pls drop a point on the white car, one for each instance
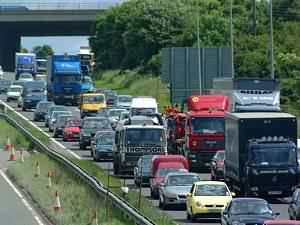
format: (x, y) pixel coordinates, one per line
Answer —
(26, 77)
(1, 73)
(124, 101)
(14, 92)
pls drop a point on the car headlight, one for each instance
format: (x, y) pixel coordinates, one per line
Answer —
(198, 204)
(237, 223)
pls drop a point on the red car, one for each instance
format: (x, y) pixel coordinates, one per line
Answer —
(282, 222)
(72, 130)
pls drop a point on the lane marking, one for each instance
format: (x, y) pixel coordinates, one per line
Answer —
(24, 201)
(37, 127)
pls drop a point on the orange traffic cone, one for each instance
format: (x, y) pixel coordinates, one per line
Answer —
(49, 185)
(12, 156)
(37, 169)
(8, 145)
(57, 207)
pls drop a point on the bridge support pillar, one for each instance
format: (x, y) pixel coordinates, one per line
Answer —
(10, 43)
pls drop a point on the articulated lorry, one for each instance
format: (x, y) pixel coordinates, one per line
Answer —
(64, 79)
(25, 63)
(261, 153)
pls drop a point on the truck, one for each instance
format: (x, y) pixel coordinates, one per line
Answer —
(25, 63)
(64, 79)
(41, 66)
(91, 103)
(261, 153)
(199, 131)
(143, 105)
(134, 141)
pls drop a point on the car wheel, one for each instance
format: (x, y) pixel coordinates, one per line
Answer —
(92, 153)
(7, 100)
(192, 217)
(55, 134)
(160, 204)
(82, 146)
(151, 193)
(23, 109)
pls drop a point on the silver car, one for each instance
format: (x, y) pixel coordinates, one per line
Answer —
(175, 187)
(54, 116)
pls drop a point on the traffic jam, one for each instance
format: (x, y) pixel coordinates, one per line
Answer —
(248, 145)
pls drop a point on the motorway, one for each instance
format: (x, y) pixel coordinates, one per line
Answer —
(179, 214)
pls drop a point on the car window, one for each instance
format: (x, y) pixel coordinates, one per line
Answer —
(211, 190)
(182, 180)
(250, 207)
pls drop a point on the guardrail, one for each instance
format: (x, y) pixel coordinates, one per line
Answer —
(119, 203)
(62, 5)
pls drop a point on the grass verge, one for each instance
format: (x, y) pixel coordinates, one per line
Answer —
(78, 200)
(133, 83)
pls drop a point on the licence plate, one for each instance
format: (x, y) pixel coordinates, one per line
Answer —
(207, 164)
(274, 192)
(67, 96)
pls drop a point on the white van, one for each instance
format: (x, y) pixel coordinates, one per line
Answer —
(143, 105)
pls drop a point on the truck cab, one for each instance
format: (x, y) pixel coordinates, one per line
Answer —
(25, 63)
(134, 141)
(143, 105)
(204, 129)
(91, 103)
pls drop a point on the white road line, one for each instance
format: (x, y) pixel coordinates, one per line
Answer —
(34, 214)
(33, 124)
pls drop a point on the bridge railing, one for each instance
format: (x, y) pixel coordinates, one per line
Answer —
(7, 6)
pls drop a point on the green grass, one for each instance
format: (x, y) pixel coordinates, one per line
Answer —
(132, 83)
(78, 200)
(15, 136)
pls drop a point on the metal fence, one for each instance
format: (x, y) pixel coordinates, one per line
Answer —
(11, 6)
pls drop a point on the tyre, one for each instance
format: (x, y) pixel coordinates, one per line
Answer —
(163, 204)
(192, 217)
(82, 146)
(55, 135)
(7, 99)
(23, 109)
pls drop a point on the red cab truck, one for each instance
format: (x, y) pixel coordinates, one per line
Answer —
(162, 165)
(204, 129)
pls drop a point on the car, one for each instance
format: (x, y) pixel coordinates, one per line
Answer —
(14, 92)
(247, 211)
(54, 116)
(217, 166)
(89, 127)
(141, 171)
(1, 73)
(124, 101)
(72, 130)
(52, 109)
(41, 110)
(4, 85)
(25, 77)
(102, 150)
(294, 205)
(114, 115)
(207, 199)
(33, 93)
(111, 97)
(123, 119)
(175, 187)
(60, 124)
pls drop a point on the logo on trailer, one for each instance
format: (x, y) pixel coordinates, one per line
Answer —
(195, 99)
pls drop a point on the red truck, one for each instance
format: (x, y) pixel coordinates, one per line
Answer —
(199, 134)
(162, 165)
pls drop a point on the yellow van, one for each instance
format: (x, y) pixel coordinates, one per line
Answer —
(91, 103)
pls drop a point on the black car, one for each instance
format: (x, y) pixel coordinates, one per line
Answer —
(142, 170)
(51, 109)
(247, 211)
(41, 110)
(294, 207)
(60, 124)
(217, 166)
(89, 127)
(30, 98)
(4, 85)
(102, 150)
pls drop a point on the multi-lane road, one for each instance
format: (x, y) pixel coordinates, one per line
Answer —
(179, 214)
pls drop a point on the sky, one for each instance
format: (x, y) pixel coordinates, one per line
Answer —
(59, 44)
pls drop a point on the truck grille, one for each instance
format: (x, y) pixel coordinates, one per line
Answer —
(212, 144)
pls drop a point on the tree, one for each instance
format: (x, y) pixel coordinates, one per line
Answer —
(24, 50)
(43, 51)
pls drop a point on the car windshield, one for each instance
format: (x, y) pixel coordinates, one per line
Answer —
(61, 120)
(211, 190)
(15, 89)
(87, 79)
(43, 106)
(68, 78)
(162, 172)
(124, 99)
(145, 136)
(182, 180)
(142, 111)
(55, 114)
(106, 139)
(115, 113)
(73, 123)
(96, 124)
(220, 155)
(90, 99)
(280, 156)
(250, 207)
(57, 108)
(5, 82)
(26, 76)
(208, 125)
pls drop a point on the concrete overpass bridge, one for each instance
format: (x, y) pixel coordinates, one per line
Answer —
(44, 19)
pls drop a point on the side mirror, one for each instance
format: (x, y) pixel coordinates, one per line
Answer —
(233, 194)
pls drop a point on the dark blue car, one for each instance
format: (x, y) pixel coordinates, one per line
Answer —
(102, 149)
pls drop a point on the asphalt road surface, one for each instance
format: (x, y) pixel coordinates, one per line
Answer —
(179, 214)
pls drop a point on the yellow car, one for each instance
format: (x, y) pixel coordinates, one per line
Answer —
(91, 103)
(207, 199)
